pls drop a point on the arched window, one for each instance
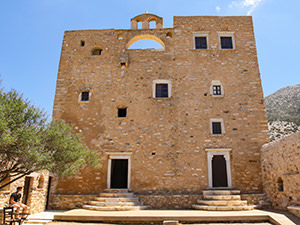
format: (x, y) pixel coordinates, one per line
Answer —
(280, 184)
(139, 25)
(96, 50)
(41, 181)
(5, 181)
(145, 42)
(152, 24)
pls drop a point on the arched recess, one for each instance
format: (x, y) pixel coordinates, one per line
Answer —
(145, 37)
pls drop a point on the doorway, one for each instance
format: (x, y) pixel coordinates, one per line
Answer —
(26, 190)
(119, 173)
(218, 166)
(48, 192)
(219, 173)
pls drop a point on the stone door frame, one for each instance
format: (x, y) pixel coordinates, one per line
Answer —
(118, 155)
(211, 152)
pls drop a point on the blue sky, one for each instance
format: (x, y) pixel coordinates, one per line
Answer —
(32, 33)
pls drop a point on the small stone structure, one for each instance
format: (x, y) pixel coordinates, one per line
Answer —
(169, 122)
(280, 170)
(35, 189)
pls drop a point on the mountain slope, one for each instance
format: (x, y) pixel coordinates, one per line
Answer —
(284, 105)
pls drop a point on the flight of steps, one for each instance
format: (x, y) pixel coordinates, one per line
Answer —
(222, 200)
(115, 200)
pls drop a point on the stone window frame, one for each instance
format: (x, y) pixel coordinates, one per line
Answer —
(201, 34)
(226, 34)
(118, 155)
(80, 95)
(211, 91)
(161, 82)
(211, 127)
(211, 152)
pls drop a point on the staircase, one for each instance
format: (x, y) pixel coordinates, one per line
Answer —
(115, 200)
(222, 200)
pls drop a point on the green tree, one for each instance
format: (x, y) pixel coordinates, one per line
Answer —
(29, 144)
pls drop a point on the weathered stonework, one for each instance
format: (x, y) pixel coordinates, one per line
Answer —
(37, 192)
(168, 142)
(280, 170)
(64, 202)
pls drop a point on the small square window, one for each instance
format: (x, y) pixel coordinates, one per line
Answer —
(216, 128)
(200, 43)
(82, 43)
(217, 90)
(226, 43)
(122, 112)
(162, 91)
(85, 96)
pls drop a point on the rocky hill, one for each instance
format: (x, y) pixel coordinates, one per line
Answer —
(283, 111)
(284, 104)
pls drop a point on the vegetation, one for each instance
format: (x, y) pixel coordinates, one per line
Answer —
(29, 144)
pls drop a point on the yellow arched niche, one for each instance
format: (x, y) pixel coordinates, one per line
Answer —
(145, 37)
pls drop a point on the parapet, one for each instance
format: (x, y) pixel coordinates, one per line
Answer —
(146, 18)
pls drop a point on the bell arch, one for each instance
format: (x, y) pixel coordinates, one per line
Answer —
(145, 37)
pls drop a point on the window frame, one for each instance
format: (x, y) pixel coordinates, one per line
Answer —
(201, 34)
(80, 96)
(155, 82)
(216, 120)
(226, 34)
(211, 89)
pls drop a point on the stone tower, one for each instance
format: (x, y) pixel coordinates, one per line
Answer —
(169, 121)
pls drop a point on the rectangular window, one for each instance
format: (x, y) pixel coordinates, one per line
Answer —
(216, 90)
(161, 91)
(200, 43)
(122, 112)
(226, 43)
(85, 96)
(216, 128)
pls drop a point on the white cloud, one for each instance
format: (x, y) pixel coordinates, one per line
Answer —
(251, 5)
(218, 8)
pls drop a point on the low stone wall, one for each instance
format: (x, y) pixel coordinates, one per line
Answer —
(63, 202)
(170, 201)
(280, 170)
(294, 210)
(37, 194)
(256, 199)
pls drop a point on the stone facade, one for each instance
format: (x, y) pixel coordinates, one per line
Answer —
(167, 142)
(280, 170)
(37, 192)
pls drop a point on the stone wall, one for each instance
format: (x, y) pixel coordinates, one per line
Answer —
(170, 201)
(64, 202)
(37, 195)
(280, 169)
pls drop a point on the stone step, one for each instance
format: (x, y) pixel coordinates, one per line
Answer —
(110, 204)
(103, 199)
(223, 208)
(116, 191)
(36, 222)
(222, 203)
(116, 208)
(116, 195)
(221, 192)
(222, 197)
